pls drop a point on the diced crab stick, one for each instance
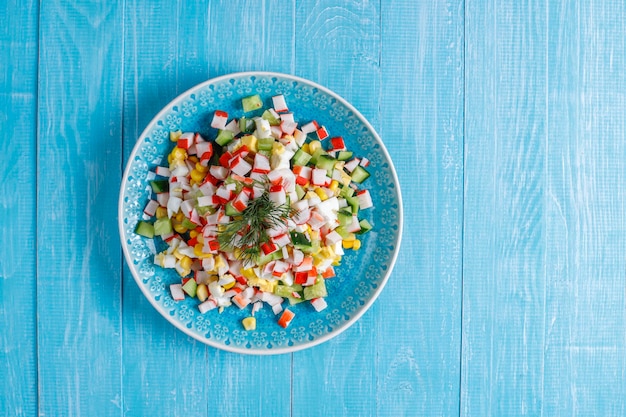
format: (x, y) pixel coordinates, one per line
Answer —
(337, 144)
(288, 127)
(261, 164)
(365, 199)
(186, 140)
(151, 207)
(162, 171)
(280, 105)
(219, 119)
(310, 127)
(240, 166)
(205, 151)
(351, 164)
(365, 162)
(277, 195)
(233, 126)
(208, 305)
(322, 133)
(318, 176)
(177, 292)
(286, 318)
(287, 117)
(319, 304)
(219, 172)
(241, 201)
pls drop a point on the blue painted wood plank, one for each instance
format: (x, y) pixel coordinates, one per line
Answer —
(165, 47)
(418, 321)
(18, 202)
(338, 46)
(78, 274)
(504, 234)
(585, 329)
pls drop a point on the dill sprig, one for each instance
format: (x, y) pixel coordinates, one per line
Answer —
(248, 231)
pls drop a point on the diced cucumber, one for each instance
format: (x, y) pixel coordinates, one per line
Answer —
(162, 226)
(246, 125)
(224, 137)
(267, 115)
(301, 158)
(293, 300)
(145, 229)
(365, 226)
(204, 210)
(265, 144)
(359, 174)
(326, 162)
(188, 224)
(344, 217)
(190, 287)
(316, 154)
(229, 210)
(317, 290)
(344, 155)
(346, 192)
(300, 192)
(251, 103)
(353, 202)
(160, 186)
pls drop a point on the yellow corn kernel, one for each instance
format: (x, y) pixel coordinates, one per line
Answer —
(321, 194)
(278, 148)
(334, 186)
(229, 285)
(314, 145)
(177, 254)
(251, 143)
(356, 245)
(197, 176)
(161, 212)
(174, 136)
(185, 262)
(193, 233)
(201, 168)
(179, 228)
(202, 292)
(305, 148)
(249, 323)
(170, 158)
(248, 273)
(180, 216)
(193, 159)
(197, 249)
(179, 153)
(347, 244)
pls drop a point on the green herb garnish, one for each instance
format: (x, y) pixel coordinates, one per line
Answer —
(248, 231)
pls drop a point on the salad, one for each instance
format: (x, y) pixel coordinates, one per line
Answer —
(260, 215)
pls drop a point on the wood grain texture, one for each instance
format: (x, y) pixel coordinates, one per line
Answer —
(585, 210)
(504, 231)
(18, 204)
(79, 156)
(166, 369)
(338, 46)
(418, 320)
(543, 308)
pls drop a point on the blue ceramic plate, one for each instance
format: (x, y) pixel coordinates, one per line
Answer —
(361, 275)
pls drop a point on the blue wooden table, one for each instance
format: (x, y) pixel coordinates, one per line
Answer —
(506, 123)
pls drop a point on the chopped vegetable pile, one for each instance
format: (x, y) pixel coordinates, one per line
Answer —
(259, 215)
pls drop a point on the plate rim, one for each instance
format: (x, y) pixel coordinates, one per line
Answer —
(255, 351)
